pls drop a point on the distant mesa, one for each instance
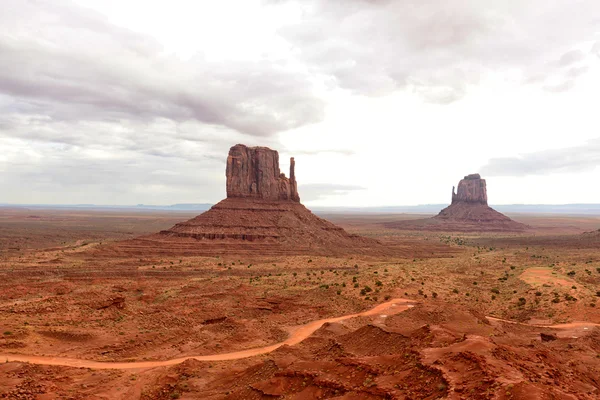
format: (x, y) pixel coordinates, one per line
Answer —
(262, 214)
(468, 212)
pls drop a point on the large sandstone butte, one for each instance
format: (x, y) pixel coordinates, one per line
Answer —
(262, 214)
(254, 172)
(468, 212)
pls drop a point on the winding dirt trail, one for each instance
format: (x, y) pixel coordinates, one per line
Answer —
(297, 335)
(571, 329)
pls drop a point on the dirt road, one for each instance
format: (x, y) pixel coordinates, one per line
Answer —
(297, 335)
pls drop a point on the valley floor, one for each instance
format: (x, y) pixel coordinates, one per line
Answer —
(481, 305)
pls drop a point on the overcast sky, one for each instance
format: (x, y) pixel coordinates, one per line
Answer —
(381, 102)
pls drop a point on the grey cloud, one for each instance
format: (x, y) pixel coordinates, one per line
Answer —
(576, 72)
(567, 160)
(596, 49)
(100, 175)
(570, 58)
(112, 73)
(344, 152)
(374, 48)
(315, 191)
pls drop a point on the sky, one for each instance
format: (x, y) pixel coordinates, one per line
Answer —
(381, 102)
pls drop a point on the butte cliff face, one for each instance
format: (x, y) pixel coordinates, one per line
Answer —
(262, 214)
(253, 172)
(471, 189)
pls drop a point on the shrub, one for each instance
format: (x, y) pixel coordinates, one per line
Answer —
(495, 290)
(522, 301)
(455, 291)
(434, 295)
(378, 283)
(538, 293)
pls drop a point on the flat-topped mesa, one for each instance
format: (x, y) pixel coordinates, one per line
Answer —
(254, 172)
(471, 189)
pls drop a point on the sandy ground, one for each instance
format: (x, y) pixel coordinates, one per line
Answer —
(305, 326)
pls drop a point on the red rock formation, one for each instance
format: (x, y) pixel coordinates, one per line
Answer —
(254, 172)
(262, 214)
(471, 189)
(469, 212)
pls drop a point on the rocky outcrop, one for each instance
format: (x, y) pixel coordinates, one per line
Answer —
(471, 189)
(469, 212)
(254, 172)
(262, 214)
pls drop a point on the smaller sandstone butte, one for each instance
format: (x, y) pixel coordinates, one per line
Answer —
(471, 189)
(254, 172)
(468, 212)
(262, 214)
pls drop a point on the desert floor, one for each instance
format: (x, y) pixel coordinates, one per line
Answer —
(460, 316)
